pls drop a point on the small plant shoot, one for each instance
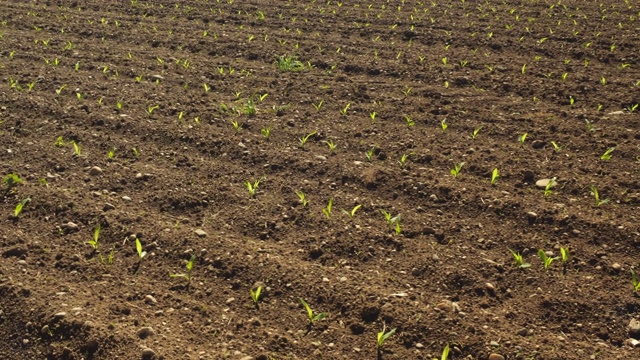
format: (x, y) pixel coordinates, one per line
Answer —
(311, 316)
(189, 268)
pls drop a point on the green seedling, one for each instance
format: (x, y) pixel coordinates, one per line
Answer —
(188, 274)
(635, 281)
(550, 184)
(444, 125)
(353, 211)
(632, 108)
(607, 154)
(557, 148)
(330, 144)
(59, 90)
(303, 197)
(19, 207)
(96, 237)
(445, 353)
(390, 219)
(141, 253)
(255, 295)
(289, 63)
(456, 169)
(384, 335)
(262, 97)
(327, 210)
(250, 108)
(236, 125)
(310, 315)
(589, 126)
(403, 159)
(410, 122)
(303, 140)
(495, 174)
(372, 115)
(475, 132)
(151, 109)
(407, 91)
(266, 133)
(398, 228)
(318, 106)
(369, 153)
(11, 180)
(522, 138)
(564, 254)
(59, 141)
(111, 153)
(344, 110)
(596, 196)
(546, 260)
(76, 148)
(519, 260)
(252, 188)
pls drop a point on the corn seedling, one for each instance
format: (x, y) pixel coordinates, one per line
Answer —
(96, 237)
(372, 115)
(596, 196)
(632, 108)
(635, 281)
(141, 253)
(384, 335)
(327, 210)
(369, 153)
(475, 132)
(403, 159)
(303, 140)
(389, 218)
(76, 148)
(522, 138)
(19, 207)
(557, 148)
(255, 295)
(330, 144)
(310, 315)
(495, 174)
(353, 211)
(266, 133)
(151, 109)
(445, 353)
(546, 260)
(406, 91)
(59, 90)
(550, 184)
(318, 106)
(344, 110)
(410, 122)
(564, 254)
(517, 257)
(589, 125)
(303, 197)
(236, 125)
(607, 154)
(252, 188)
(189, 268)
(456, 169)
(444, 125)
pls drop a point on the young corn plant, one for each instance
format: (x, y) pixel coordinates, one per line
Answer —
(266, 133)
(546, 260)
(187, 275)
(318, 106)
(331, 144)
(495, 174)
(522, 138)
(327, 210)
(76, 148)
(383, 336)
(607, 154)
(303, 197)
(475, 132)
(403, 159)
(443, 125)
(410, 122)
(517, 257)
(311, 315)
(456, 169)
(94, 242)
(445, 353)
(19, 207)
(303, 140)
(11, 180)
(550, 184)
(596, 196)
(557, 148)
(252, 188)
(635, 282)
(353, 211)
(345, 109)
(141, 253)
(369, 153)
(255, 296)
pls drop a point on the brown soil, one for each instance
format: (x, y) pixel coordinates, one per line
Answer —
(178, 165)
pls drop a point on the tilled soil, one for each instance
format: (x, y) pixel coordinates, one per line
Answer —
(154, 122)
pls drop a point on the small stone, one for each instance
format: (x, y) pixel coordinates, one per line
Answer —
(419, 346)
(532, 215)
(542, 183)
(45, 330)
(95, 171)
(145, 332)
(60, 315)
(538, 144)
(523, 332)
(139, 176)
(147, 353)
(230, 300)
(321, 158)
(619, 112)
(70, 226)
(157, 77)
(634, 329)
(200, 233)
(616, 267)
(150, 299)
(343, 279)
(126, 198)
(633, 342)
(490, 286)
(108, 207)
(445, 306)
(495, 356)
